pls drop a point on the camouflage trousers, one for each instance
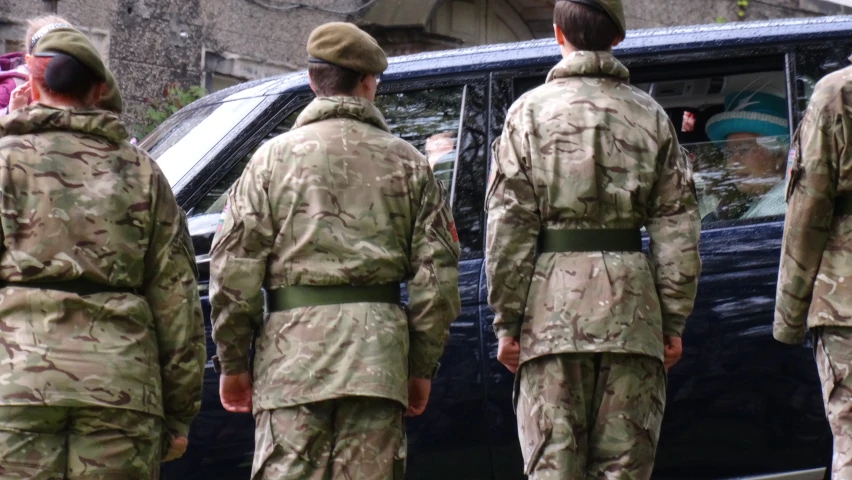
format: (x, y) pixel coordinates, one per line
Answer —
(347, 438)
(590, 415)
(833, 349)
(58, 443)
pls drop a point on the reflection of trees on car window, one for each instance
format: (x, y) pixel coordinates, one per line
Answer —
(429, 120)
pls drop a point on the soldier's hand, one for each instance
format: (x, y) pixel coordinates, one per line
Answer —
(176, 449)
(672, 351)
(235, 392)
(418, 395)
(509, 353)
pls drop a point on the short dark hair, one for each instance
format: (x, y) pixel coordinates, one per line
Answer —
(584, 27)
(329, 80)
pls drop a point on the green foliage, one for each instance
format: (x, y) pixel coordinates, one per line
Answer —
(742, 5)
(721, 20)
(174, 97)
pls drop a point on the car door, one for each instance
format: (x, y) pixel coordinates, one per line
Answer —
(739, 403)
(444, 119)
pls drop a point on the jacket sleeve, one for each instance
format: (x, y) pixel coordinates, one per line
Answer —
(172, 293)
(811, 191)
(673, 227)
(238, 264)
(433, 290)
(513, 227)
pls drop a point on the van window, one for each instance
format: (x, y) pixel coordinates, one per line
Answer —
(735, 130)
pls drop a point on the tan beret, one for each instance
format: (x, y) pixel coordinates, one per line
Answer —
(71, 42)
(345, 45)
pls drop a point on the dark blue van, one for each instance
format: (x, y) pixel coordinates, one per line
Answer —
(740, 405)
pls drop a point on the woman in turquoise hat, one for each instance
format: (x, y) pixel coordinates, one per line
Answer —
(753, 131)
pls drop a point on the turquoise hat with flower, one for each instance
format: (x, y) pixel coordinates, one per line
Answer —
(760, 113)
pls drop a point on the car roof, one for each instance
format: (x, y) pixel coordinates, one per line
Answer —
(545, 52)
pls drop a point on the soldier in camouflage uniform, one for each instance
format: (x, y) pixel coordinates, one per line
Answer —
(583, 315)
(100, 322)
(329, 219)
(814, 291)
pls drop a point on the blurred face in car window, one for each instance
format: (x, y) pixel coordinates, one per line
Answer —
(757, 165)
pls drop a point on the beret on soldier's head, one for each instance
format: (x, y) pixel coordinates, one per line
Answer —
(71, 42)
(613, 8)
(347, 46)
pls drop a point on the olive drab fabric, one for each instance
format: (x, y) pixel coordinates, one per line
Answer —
(813, 286)
(587, 150)
(595, 416)
(78, 443)
(336, 201)
(74, 43)
(345, 45)
(834, 364)
(814, 291)
(81, 204)
(353, 438)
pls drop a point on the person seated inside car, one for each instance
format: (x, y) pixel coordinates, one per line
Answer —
(441, 153)
(752, 134)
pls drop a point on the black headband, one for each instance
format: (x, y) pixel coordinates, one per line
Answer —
(44, 31)
(590, 3)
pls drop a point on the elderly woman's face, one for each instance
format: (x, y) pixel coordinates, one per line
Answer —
(756, 169)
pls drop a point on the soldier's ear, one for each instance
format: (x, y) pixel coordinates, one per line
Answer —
(311, 84)
(560, 38)
(617, 41)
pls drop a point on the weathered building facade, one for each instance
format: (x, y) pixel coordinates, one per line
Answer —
(150, 44)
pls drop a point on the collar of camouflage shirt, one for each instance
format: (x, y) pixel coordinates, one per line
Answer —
(38, 118)
(589, 64)
(356, 108)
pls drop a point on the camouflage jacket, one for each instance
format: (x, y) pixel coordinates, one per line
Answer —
(816, 264)
(586, 151)
(336, 201)
(80, 204)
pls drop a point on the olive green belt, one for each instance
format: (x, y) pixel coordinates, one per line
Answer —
(842, 206)
(78, 286)
(299, 296)
(590, 240)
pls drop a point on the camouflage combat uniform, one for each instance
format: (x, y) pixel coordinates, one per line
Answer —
(336, 201)
(588, 151)
(814, 290)
(100, 321)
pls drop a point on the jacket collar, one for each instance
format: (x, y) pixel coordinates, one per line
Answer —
(38, 118)
(589, 64)
(355, 108)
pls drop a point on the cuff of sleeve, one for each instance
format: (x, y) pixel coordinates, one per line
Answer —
(234, 366)
(176, 427)
(673, 326)
(504, 328)
(424, 370)
(789, 335)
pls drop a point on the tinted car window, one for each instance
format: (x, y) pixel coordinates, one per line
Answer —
(182, 140)
(429, 120)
